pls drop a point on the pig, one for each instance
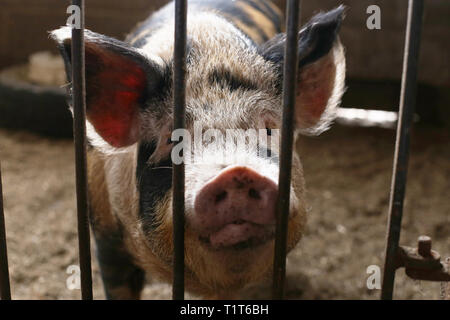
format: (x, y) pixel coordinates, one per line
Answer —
(235, 54)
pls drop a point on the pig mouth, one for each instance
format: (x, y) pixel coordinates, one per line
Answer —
(238, 235)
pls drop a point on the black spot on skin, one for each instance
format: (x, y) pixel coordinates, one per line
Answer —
(154, 181)
(239, 14)
(161, 90)
(117, 268)
(231, 12)
(146, 149)
(315, 41)
(264, 8)
(230, 81)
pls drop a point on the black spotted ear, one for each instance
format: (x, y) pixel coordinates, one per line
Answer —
(119, 80)
(321, 70)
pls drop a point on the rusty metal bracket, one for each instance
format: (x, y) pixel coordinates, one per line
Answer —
(423, 263)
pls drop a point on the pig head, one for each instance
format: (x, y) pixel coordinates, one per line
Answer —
(234, 85)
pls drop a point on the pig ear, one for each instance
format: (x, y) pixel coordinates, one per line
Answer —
(321, 70)
(119, 81)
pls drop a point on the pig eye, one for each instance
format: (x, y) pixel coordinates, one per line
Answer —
(269, 131)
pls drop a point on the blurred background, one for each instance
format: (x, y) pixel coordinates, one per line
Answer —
(347, 169)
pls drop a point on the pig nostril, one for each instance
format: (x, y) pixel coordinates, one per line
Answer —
(252, 193)
(221, 196)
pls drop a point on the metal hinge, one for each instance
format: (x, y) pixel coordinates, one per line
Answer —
(423, 263)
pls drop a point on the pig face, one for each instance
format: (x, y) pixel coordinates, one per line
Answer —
(233, 91)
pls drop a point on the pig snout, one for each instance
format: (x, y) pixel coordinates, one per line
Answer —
(236, 207)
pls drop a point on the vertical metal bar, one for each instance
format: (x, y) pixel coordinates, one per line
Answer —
(5, 290)
(284, 179)
(179, 98)
(79, 114)
(400, 168)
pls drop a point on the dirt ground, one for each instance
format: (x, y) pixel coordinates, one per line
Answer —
(348, 173)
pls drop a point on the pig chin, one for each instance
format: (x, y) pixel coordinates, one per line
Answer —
(235, 262)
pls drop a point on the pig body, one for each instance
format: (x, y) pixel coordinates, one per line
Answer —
(235, 55)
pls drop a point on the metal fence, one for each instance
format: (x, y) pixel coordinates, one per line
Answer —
(422, 263)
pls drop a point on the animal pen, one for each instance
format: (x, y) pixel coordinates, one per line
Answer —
(421, 263)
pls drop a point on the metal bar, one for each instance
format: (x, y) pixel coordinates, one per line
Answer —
(79, 115)
(287, 137)
(400, 168)
(179, 115)
(5, 289)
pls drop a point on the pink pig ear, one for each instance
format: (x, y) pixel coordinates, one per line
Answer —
(119, 80)
(321, 74)
(321, 86)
